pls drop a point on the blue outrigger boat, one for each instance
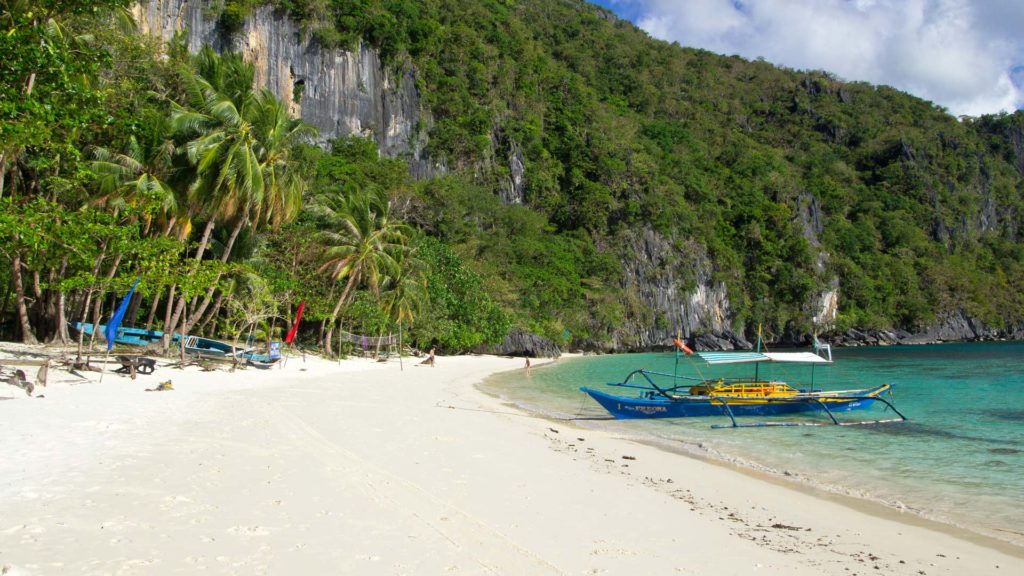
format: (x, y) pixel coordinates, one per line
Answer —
(210, 348)
(197, 345)
(672, 396)
(125, 335)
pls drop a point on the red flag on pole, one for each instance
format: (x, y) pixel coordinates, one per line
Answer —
(295, 327)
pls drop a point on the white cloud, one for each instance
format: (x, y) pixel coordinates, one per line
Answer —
(962, 54)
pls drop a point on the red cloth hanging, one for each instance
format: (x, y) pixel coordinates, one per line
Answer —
(295, 327)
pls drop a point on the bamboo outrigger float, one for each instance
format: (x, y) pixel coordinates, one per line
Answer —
(686, 396)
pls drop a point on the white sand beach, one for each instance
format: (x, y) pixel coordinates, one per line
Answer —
(360, 467)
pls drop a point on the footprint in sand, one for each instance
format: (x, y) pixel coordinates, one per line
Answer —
(249, 530)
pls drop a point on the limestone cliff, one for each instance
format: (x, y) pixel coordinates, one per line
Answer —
(675, 288)
(340, 92)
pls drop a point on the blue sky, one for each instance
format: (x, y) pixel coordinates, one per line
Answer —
(965, 55)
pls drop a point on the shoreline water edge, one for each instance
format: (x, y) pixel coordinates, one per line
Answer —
(680, 441)
(374, 468)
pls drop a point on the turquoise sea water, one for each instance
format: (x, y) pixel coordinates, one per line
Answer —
(960, 459)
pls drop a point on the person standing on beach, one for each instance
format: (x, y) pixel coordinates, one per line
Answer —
(527, 364)
(430, 359)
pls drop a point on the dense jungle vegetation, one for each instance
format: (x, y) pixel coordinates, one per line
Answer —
(122, 158)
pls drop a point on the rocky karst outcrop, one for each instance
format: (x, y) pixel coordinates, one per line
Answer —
(676, 285)
(342, 93)
(522, 343)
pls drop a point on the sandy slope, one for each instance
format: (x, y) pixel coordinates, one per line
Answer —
(362, 468)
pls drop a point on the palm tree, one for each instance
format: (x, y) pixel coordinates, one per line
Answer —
(221, 146)
(365, 249)
(277, 136)
(241, 148)
(405, 294)
(139, 176)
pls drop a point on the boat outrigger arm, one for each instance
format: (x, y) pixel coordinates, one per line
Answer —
(824, 406)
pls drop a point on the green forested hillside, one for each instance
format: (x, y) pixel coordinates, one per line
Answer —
(921, 212)
(791, 182)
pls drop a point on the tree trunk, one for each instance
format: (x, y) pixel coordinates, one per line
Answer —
(152, 310)
(81, 331)
(204, 240)
(170, 225)
(213, 312)
(172, 319)
(27, 336)
(168, 329)
(198, 312)
(95, 271)
(6, 300)
(334, 315)
(61, 335)
(133, 309)
(99, 301)
(3, 172)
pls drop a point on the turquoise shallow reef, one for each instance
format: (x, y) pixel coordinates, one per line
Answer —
(959, 460)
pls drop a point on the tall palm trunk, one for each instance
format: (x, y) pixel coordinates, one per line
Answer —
(172, 318)
(133, 309)
(152, 310)
(168, 328)
(213, 313)
(197, 313)
(334, 314)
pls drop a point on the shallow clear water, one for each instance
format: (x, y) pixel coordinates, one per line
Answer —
(959, 460)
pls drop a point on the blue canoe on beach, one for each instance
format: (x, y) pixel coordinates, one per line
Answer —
(663, 395)
(125, 335)
(197, 345)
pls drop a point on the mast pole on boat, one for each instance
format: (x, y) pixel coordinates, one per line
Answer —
(757, 365)
(675, 369)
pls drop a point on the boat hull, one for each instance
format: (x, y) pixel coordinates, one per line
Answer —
(625, 407)
(125, 335)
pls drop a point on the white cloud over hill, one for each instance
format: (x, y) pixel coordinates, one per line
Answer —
(967, 56)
